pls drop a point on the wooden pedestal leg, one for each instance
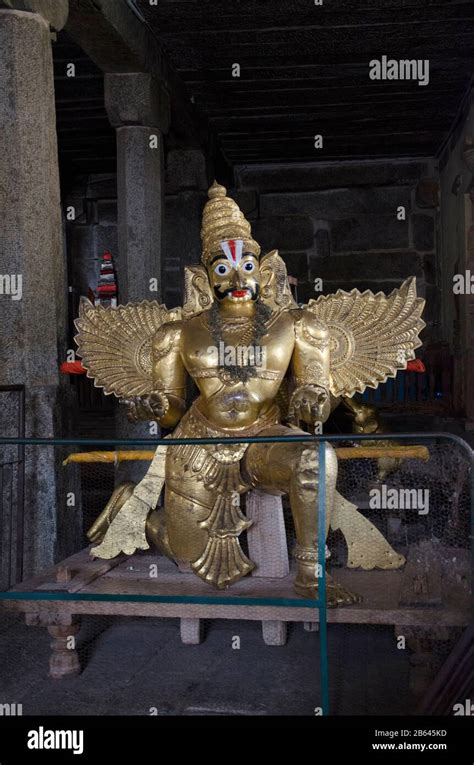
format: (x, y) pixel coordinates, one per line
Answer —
(64, 660)
(274, 632)
(268, 549)
(191, 631)
(423, 656)
(267, 537)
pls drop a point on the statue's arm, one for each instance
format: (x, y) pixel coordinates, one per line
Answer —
(169, 374)
(310, 373)
(166, 404)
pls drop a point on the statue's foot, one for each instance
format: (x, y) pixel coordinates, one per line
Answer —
(336, 594)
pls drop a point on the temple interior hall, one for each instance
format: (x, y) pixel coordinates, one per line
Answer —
(116, 116)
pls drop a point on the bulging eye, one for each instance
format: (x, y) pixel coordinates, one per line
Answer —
(221, 269)
(249, 267)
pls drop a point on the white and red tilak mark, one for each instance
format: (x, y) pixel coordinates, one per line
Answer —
(232, 248)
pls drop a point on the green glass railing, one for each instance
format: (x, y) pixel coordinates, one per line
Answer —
(228, 600)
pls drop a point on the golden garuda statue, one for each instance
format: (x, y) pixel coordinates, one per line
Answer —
(262, 365)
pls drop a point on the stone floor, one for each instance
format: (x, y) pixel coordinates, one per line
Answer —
(132, 666)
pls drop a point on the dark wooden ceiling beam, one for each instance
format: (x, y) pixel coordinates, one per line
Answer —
(296, 116)
(294, 73)
(338, 151)
(276, 56)
(212, 14)
(247, 88)
(203, 32)
(236, 104)
(422, 28)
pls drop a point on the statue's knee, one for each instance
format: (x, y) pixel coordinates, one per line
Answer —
(187, 541)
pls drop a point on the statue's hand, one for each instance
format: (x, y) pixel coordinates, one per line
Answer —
(151, 407)
(310, 403)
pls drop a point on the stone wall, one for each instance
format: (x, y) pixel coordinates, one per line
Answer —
(339, 222)
(456, 256)
(186, 184)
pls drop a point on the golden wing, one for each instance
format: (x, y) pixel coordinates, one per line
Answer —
(115, 344)
(371, 336)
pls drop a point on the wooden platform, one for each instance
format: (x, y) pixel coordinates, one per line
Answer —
(418, 596)
(381, 592)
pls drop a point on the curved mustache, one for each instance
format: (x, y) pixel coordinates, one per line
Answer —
(221, 294)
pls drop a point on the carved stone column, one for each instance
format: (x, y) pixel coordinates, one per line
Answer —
(33, 320)
(138, 107)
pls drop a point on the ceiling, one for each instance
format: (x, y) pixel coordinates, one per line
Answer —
(86, 141)
(304, 71)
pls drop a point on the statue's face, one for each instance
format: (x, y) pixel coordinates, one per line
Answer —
(234, 277)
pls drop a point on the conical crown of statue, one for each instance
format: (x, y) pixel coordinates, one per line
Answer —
(224, 221)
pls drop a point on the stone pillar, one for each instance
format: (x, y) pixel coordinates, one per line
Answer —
(33, 321)
(138, 107)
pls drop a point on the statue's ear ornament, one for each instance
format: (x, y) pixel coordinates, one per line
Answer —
(197, 291)
(275, 289)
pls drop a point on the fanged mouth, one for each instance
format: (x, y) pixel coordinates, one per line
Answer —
(239, 293)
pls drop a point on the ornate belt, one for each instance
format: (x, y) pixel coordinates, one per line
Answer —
(225, 375)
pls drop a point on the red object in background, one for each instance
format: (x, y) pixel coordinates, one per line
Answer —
(72, 368)
(106, 291)
(416, 365)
